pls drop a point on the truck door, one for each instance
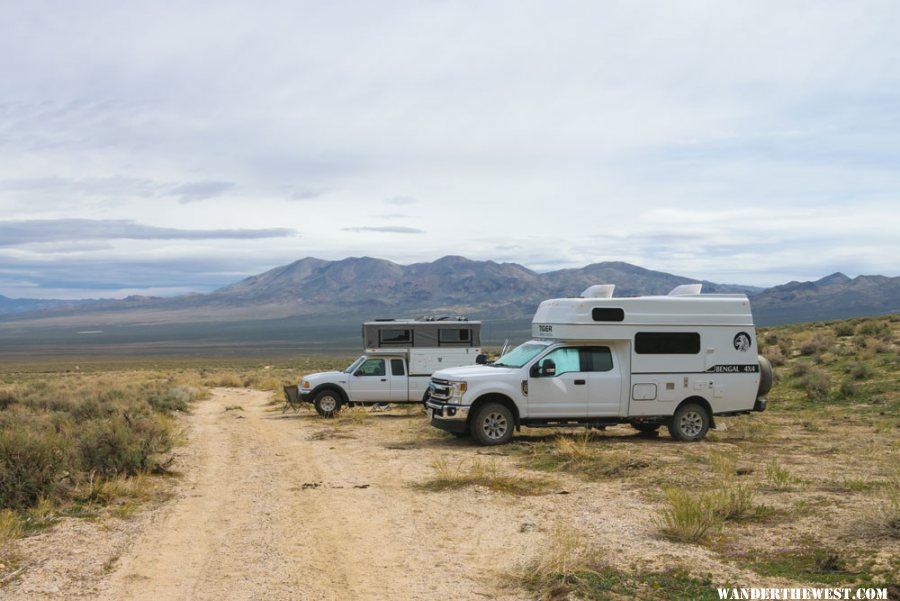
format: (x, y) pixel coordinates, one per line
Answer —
(370, 382)
(556, 385)
(604, 377)
(399, 381)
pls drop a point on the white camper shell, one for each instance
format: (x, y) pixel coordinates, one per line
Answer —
(400, 356)
(598, 360)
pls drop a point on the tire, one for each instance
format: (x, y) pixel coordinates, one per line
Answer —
(690, 423)
(327, 403)
(492, 424)
(645, 427)
(766, 377)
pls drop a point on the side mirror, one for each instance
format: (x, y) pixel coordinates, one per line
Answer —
(481, 359)
(535, 371)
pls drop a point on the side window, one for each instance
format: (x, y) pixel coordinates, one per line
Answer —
(454, 335)
(395, 336)
(560, 361)
(397, 368)
(596, 358)
(667, 343)
(372, 367)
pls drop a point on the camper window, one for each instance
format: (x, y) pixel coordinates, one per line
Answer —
(607, 314)
(667, 343)
(395, 336)
(454, 335)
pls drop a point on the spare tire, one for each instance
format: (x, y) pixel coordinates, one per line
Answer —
(765, 376)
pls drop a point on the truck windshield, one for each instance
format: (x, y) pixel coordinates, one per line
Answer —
(354, 365)
(521, 355)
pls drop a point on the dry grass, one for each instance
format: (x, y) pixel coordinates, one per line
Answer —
(563, 560)
(689, 518)
(583, 454)
(10, 530)
(487, 474)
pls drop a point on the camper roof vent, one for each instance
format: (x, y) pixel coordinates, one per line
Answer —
(686, 290)
(599, 291)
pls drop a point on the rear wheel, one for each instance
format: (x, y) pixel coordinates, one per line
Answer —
(690, 423)
(327, 403)
(492, 424)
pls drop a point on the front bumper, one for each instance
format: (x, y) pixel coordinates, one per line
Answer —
(450, 418)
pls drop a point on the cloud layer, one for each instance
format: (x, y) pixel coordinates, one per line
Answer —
(751, 143)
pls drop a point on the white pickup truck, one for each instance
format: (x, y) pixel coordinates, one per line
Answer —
(401, 355)
(595, 361)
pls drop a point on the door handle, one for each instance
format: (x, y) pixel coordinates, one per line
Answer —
(384, 379)
(579, 382)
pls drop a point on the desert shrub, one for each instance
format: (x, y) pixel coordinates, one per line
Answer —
(166, 397)
(860, 370)
(123, 444)
(848, 390)
(817, 383)
(800, 369)
(7, 399)
(775, 355)
(817, 342)
(30, 466)
(843, 329)
(877, 329)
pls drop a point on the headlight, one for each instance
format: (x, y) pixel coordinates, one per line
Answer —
(459, 389)
(304, 384)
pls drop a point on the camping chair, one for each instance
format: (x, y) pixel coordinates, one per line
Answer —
(291, 398)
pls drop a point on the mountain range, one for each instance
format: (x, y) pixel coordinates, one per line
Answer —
(290, 301)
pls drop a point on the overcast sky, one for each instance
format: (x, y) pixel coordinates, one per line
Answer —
(162, 148)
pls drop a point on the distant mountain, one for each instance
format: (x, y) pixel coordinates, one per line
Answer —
(833, 297)
(319, 301)
(9, 306)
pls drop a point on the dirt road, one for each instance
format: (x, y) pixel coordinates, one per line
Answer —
(292, 507)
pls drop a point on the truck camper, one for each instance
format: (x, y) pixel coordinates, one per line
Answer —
(597, 360)
(400, 356)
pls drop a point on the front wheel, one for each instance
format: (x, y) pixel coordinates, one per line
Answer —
(690, 423)
(327, 403)
(492, 424)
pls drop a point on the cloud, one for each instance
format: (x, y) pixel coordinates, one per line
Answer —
(17, 233)
(203, 190)
(401, 200)
(388, 229)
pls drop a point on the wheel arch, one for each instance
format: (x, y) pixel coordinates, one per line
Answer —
(496, 397)
(703, 403)
(332, 387)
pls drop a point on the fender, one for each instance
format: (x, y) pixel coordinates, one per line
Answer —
(506, 389)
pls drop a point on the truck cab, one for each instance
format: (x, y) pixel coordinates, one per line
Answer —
(397, 364)
(595, 361)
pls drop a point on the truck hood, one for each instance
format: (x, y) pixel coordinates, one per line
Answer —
(325, 376)
(473, 372)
